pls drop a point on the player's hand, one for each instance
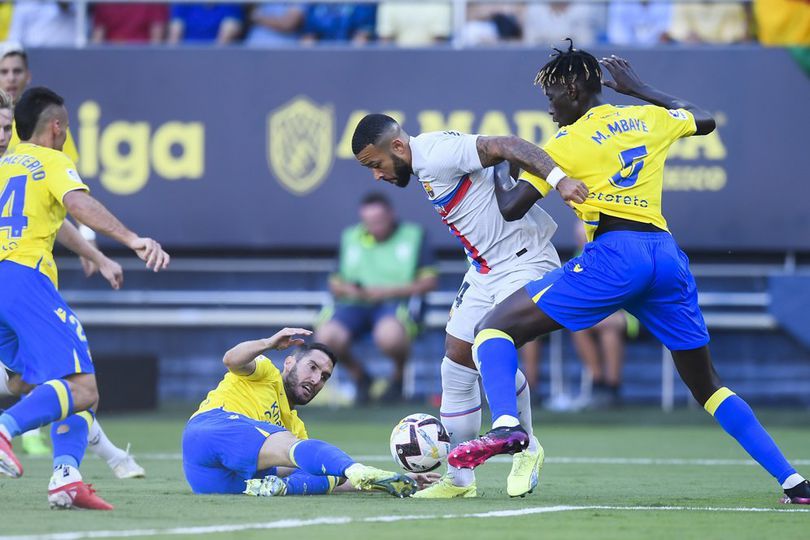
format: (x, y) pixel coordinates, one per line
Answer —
(374, 295)
(287, 338)
(150, 251)
(572, 190)
(112, 272)
(89, 267)
(625, 80)
(424, 480)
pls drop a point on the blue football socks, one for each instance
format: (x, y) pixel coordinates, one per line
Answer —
(303, 483)
(320, 458)
(739, 421)
(497, 360)
(69, 438)
(47, 403)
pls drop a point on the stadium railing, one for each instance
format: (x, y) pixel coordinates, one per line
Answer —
(172, 308)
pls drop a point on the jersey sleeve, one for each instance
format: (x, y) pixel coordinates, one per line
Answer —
(455, 153)
(264, 369)
(675, 123)
(62, 178)
(537, 183)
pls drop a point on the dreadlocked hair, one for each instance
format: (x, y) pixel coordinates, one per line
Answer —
(565, 67)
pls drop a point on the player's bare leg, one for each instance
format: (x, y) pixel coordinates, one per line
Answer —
(738, 420)
(507, 326)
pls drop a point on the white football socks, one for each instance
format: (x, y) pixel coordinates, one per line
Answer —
(792, 481)
(100, 445)
(524, 403)
(460, 412)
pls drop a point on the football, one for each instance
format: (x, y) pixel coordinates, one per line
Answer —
(419, 443)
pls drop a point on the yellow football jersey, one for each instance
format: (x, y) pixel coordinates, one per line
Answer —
(260, 396)
(69, 148)
(33, 182)
(619, 152)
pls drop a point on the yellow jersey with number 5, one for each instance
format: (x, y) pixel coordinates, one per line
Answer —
(33, 183)
(619, 152)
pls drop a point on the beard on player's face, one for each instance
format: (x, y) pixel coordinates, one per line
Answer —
(298, 393)
(402, 171)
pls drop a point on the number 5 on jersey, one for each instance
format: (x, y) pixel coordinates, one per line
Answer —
(12, 203)
(632, 158)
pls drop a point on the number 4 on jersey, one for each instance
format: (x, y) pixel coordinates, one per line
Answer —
(12, 203)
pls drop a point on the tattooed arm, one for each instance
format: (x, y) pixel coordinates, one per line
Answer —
(523, 154)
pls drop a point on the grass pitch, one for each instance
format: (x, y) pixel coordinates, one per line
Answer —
(633, 474)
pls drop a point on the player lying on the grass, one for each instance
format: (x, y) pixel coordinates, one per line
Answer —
(246, 434)
(40, 336)
(631, 263)
(505, 251)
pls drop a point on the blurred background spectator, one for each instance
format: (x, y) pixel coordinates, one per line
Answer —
(414, 24)
(639, 23)
(385, 266)
(710, 22)
(549, 24)
(40, 23)
(339, 23)
(492, 23)
(274, 24)
(129, 23)
(206, 23)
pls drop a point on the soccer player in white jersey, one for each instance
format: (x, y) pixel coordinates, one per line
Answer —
(457, 172)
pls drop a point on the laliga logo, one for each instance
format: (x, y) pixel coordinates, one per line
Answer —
(300, 139)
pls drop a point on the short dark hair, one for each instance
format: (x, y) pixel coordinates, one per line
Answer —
(375, 197)
(17, 52)
(306, 348)
(370, 130)
(572, 65)
(29, 108)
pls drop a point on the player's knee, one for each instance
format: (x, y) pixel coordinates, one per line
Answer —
(84, 391)
(334, 335)
(390, 336)
(276, 450)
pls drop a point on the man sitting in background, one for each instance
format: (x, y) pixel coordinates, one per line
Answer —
(385, 266)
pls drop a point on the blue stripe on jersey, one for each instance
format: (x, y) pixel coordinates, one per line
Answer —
(449, 197)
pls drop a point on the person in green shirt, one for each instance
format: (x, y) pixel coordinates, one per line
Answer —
(385, 267)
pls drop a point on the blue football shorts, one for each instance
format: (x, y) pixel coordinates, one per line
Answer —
(646, 274)
(40, 336)
(221, 451)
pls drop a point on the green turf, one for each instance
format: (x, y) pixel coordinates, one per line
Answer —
(163, 501)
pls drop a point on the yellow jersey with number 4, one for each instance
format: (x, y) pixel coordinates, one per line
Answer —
(260, 396)
(33, 183)
(619, 152)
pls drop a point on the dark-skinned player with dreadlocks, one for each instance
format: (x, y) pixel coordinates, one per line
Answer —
(631, 261)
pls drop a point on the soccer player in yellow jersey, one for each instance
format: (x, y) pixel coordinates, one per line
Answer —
(40, 336)
(631, 262)
(246, 434)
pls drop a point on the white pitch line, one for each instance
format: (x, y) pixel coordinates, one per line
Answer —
(553, 460)
(298, 523)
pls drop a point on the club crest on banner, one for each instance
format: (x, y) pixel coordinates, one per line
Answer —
(300, 144)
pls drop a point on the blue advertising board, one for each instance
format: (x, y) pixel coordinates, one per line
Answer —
(234, 148)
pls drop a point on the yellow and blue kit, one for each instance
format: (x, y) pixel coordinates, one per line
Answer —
(40, 336)
(619, 153)
(221, 441)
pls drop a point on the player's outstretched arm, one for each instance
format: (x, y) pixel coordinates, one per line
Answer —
(92, 213)
(70, 237)
(626, 81)
(529, 157)
(241, 360)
